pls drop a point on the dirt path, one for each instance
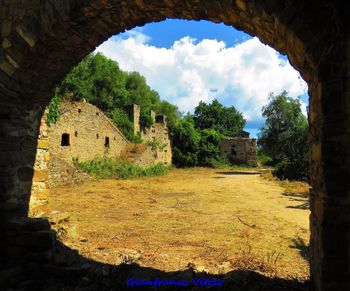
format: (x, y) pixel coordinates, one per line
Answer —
(214, 220)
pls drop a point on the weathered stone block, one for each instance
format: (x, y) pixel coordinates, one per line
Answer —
(41, 175)
(67, 272)
(43, 144)
(14, 253)
(42, 194)
(12, 204)
(40, 257)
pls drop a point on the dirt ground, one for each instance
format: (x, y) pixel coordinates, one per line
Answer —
(210, 219)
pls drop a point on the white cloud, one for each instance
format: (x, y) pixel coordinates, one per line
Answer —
(191, 71)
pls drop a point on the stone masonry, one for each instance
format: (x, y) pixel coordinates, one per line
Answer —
(82, 133)
(158, 137)
(42, 40)
(240, 150)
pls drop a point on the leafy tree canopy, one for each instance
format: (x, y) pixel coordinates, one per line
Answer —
(195, 138)
(225, 120)
(284, 136)
(101, 82)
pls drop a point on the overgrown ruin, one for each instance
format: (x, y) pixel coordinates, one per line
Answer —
(42, 40)
(82, 133)
(240, 150)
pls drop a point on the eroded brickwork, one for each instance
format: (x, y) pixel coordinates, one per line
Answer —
(158, 137)
(42, 40)
(82, 132)
(38, 205)
(240, 150)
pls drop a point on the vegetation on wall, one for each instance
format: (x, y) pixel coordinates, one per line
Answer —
(197, 137)
(53, 113)
(107, 167)
(99, 81)
(284, 137)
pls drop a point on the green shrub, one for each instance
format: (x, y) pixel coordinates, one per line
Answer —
(221, 161)
(53, 115)
(292, 169)
(107, 167)
(156, 145)
(263, 159)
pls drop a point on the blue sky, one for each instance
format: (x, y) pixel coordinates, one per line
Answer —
(191, 61)
(165, 33)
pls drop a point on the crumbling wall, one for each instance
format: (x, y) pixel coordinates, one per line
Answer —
(134, 115)
(157, 136)
(64, 174)
(240, 150)
(38, 205)
(82, 132)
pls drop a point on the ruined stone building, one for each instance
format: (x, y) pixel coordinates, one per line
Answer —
(240, 150)
(84, 132)
(42, 40)
(156, 137)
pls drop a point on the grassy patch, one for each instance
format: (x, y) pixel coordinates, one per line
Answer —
(291, 187)
(107, 167)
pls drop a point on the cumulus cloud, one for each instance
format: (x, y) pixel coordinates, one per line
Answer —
(191, 71)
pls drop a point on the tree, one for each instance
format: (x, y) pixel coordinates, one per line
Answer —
(225, 120)
(284, 136)
(170, 110)
(140, 93)
(121, 119)
(98, 80)
(209, 154)
(185, 139)
(101, 82)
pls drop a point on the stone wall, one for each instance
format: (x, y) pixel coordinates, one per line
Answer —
(158, 137)
(38, 205)
(80, 134)
(240, 150)
(62, 173)
(88, 133)
(134, 115)
(42, 40)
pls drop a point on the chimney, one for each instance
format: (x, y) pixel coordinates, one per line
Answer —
(134, 113)
(153, 116)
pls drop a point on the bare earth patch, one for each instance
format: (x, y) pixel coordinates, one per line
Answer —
(210, 219)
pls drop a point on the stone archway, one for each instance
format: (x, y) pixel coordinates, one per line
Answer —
(42, 40)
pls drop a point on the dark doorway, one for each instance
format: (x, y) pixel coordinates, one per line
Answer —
(65, 140)
(107, 142)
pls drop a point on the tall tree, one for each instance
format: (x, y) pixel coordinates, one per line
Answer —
(284, 136)
(225, 120)
(100, 81)
(186, 140)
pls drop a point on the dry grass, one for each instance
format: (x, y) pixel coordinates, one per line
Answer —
(291, 187)
(213, 220)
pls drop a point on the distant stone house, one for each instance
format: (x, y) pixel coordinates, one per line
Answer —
(240, 150)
